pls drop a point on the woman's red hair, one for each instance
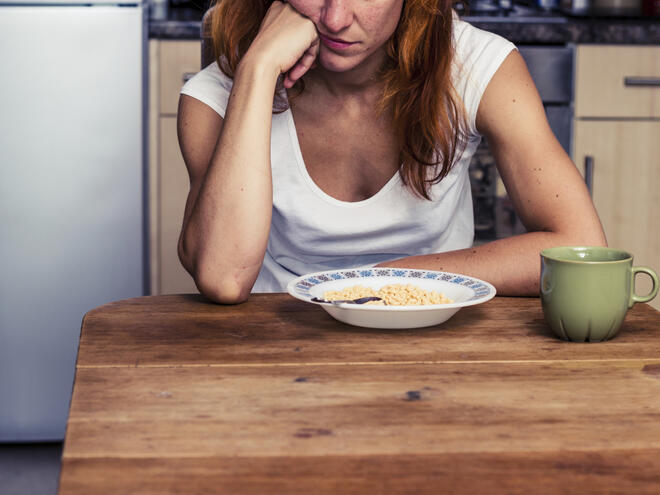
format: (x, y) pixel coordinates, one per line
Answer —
(428, 115)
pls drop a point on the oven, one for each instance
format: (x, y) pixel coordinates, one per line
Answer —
(551, 67)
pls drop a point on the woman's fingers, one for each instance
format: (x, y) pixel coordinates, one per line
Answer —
(305, 63)
(285, 39)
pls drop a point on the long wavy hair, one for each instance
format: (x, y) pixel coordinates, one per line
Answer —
(428, 115)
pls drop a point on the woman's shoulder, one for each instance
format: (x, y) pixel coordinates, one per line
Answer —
(477, 45)
(210, 86)
(478, 54)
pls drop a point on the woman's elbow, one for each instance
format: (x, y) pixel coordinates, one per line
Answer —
(221, 290)
(184, 255)
(220, 285)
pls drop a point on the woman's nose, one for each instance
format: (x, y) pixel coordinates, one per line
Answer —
(337, 15)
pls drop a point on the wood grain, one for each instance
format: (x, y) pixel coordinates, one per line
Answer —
(385, 409)
(276, 328)
(176, 395)
(539, 473)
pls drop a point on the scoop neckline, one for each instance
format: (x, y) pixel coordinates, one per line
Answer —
(300, 161)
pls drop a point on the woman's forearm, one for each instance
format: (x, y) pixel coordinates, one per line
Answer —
(512, 264)
(229, 208)
(224, 240)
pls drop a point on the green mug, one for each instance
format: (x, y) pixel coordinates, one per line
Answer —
(587, 291)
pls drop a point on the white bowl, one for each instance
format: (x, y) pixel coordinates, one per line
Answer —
(463, 290)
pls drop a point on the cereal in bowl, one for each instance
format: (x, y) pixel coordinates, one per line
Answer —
(391, 295)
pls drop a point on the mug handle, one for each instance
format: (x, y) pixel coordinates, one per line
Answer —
(634, 298)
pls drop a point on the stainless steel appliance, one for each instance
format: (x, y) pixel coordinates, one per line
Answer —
(71, 192)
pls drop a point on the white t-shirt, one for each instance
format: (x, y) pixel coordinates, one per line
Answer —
(312, 231)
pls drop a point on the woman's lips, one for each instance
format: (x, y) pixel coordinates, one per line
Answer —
(334, 43)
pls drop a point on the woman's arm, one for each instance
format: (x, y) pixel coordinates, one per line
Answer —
(544, 185)
(228, 210)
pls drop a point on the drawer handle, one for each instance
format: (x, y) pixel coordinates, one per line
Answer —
(589, 173)
(641, 81)
(187, 76)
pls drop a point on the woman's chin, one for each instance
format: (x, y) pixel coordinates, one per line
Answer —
(364, 60)
(336, 63)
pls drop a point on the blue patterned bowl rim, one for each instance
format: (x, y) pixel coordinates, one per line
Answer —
(482, 291)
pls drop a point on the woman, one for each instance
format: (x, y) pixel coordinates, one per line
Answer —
(338, 133)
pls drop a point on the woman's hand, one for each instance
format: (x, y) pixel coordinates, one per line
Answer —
(287, 41)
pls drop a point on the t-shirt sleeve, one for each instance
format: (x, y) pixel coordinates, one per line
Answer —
(478, 55)
(210, 86)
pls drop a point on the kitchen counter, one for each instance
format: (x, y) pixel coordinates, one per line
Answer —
(557, 29)
(524, 28)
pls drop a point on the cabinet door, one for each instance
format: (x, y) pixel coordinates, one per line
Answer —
(173, 185)
(179, 60)
(617, 81)
(626, 186)
(171, 61)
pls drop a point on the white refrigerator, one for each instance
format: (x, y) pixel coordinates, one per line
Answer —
(72, 182)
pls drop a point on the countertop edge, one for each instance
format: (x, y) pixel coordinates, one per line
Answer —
(534, 30)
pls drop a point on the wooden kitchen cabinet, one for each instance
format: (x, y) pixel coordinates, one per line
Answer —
(600, 89)
(618, 127)
(171, 63)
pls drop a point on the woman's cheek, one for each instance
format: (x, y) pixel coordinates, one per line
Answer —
(309, 8)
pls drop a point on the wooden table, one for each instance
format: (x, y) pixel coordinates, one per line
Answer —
(176, 395)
